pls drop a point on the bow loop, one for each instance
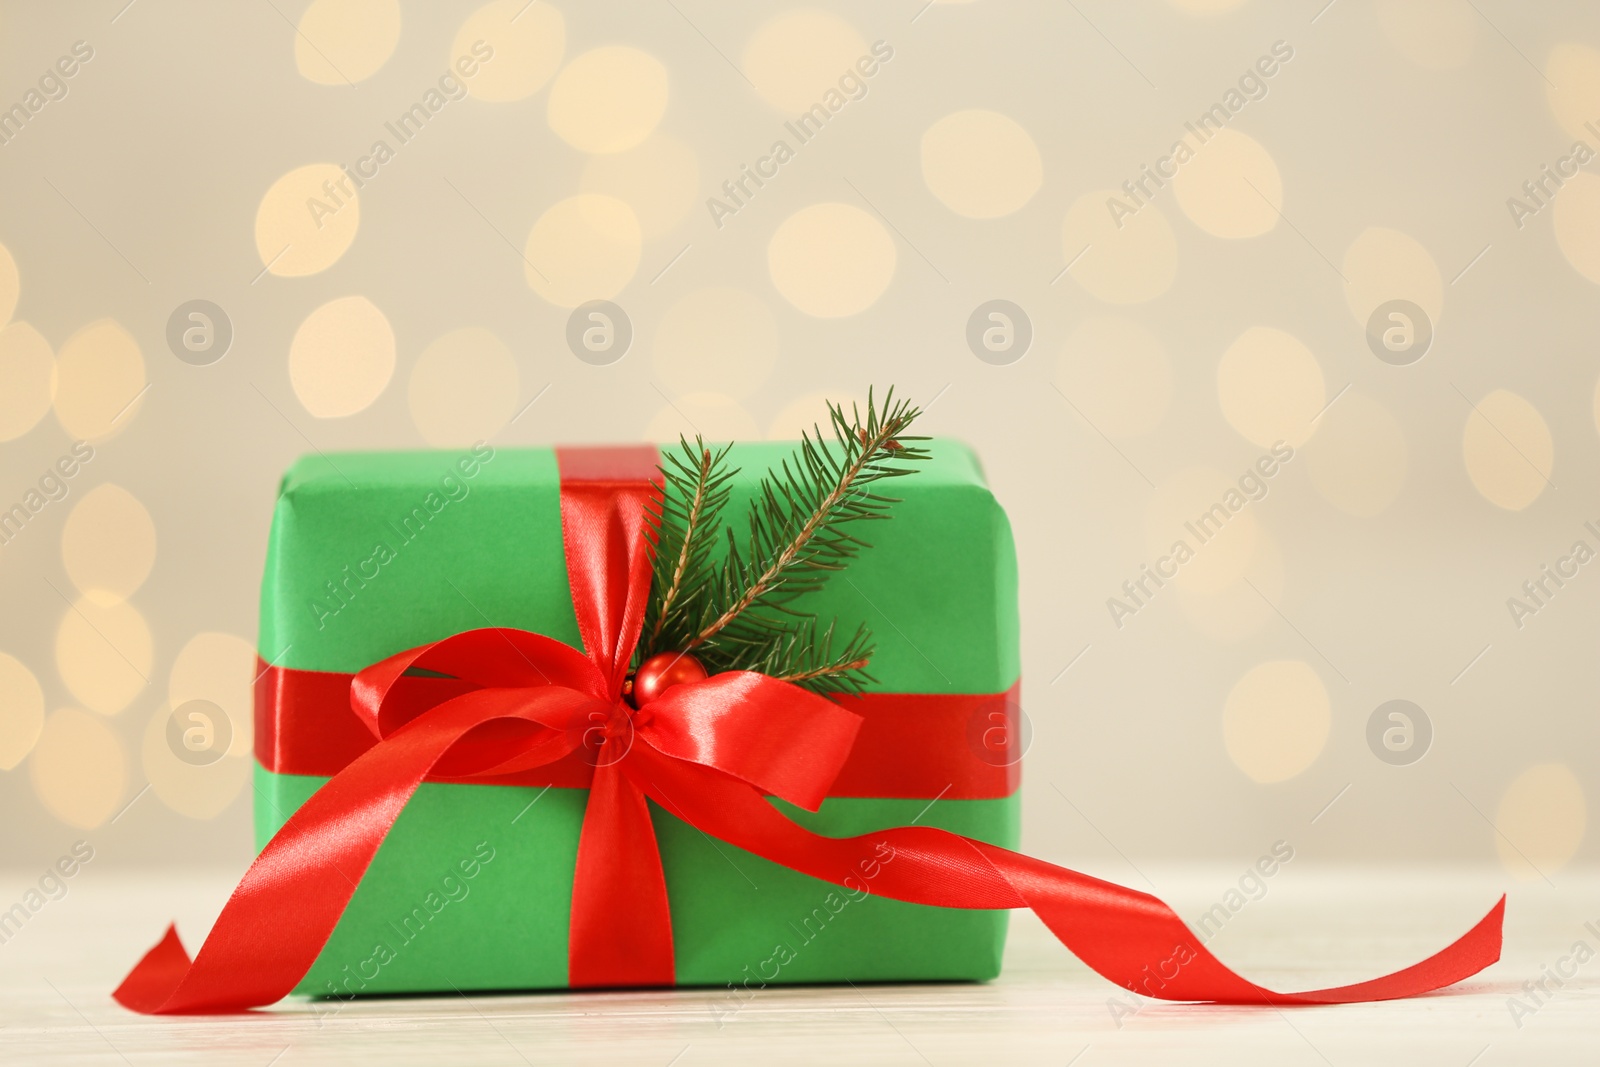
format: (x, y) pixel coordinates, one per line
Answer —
(769, 733)
(385, 697)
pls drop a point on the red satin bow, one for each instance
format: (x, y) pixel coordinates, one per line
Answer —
(705, 752)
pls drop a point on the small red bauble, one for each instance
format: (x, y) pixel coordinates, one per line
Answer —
(663, 671)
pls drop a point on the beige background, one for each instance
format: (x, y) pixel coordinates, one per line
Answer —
(1228, 313)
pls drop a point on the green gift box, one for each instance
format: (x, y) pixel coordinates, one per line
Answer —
(374, 553)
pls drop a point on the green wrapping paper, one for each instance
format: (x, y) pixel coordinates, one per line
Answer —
(372, 553)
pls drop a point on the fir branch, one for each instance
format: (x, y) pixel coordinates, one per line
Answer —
(806, 658)
(686, 541)
(797, 528)
(685, 522)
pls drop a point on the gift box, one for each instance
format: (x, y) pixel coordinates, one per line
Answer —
(374, 553)
(453, 796)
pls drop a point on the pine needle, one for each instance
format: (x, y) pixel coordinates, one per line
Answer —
(798, 535)
(685, 522)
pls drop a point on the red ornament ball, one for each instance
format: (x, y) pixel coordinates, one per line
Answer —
(663, 671)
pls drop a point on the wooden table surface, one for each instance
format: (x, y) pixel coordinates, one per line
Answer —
(1313, 930)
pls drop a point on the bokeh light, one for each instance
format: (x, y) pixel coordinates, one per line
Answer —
(1231, 188)
(796, 57)
(1382, 265)
(1576, 219)
(108, 544)
(79, 769)
(341, 42)
(1540, 821)
(831, 260)
(513, 46)
(981, 164)
(342, 357)
(1126, 264)
(1276, 720)
(26, 368)
(1117, 373)
(713, 416)
(1270, 387)
(659, 179)
(21, 711)
(608, 99)
(99, 380)
(716, 339)
(104, 652)
(464, 388)
(307, 219)
(1508, 450)
(221, 668)
(583, 248)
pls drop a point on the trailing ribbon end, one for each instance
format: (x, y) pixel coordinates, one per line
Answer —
(155, 977)
(1466, 956)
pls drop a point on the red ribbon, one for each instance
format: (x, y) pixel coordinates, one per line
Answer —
(706, 752)
(955, 746)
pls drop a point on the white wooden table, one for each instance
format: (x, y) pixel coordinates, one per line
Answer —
(1320, 927)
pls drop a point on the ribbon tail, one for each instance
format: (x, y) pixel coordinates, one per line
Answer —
(1129, 937)
(156, 977)
(621, 929)
(283, 911)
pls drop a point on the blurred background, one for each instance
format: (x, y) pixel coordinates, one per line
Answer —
(1322, 271)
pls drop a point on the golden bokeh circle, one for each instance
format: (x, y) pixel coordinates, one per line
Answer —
(1276, 720)
(717, 339)
(342, 357)
(78, 768)
(1508, 450)
(21, 711)
(306, 220)
(583, 248)
(522, 45)
(981, 164)
(99, 380)
(608, 99)
(221, 668)
(108, 544)
(809, 414)
(1231, 188)
(831, 260)
(1239, 609)
(1576, 220)
(1270, 387)
(341, 42)
(27, 367)
(1540, 821)
(464, 388)
(659, 179)
(1383, 265)
(1117, 373)
(798, 56)
(104, 653)
(714, 416)
(1126, 264)
(198, 791)
(1572, 88)
(1221, 543)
